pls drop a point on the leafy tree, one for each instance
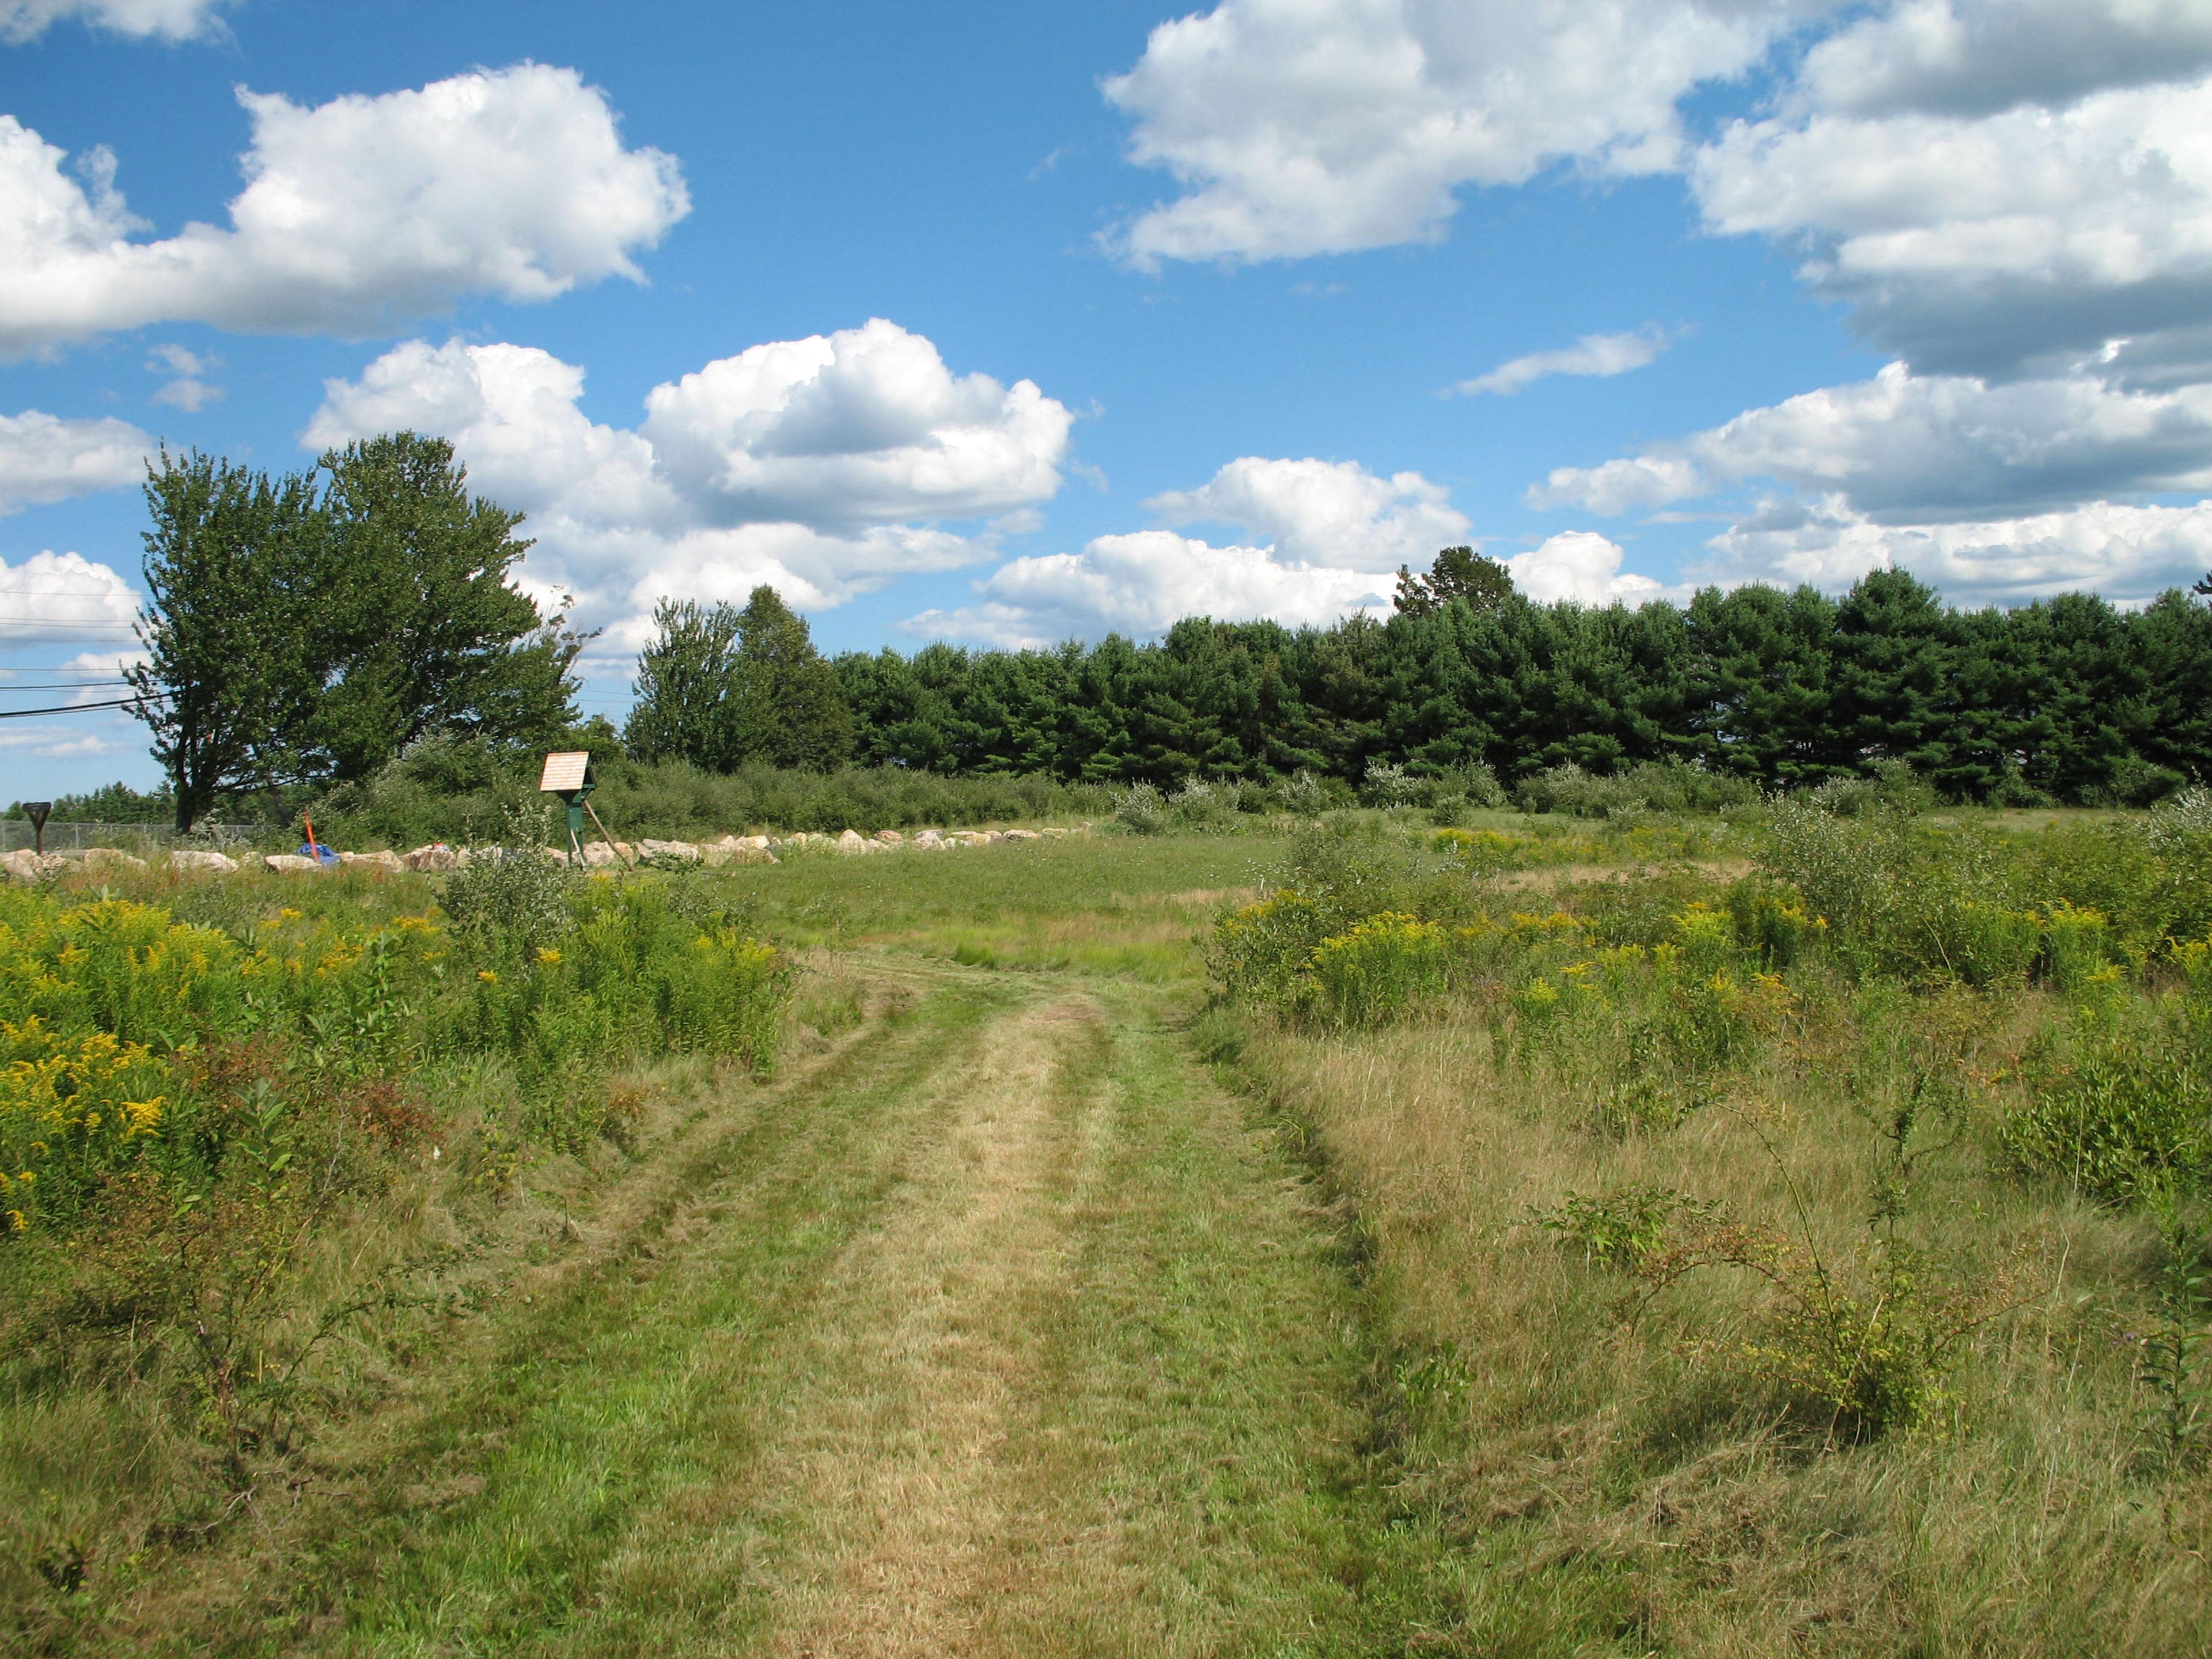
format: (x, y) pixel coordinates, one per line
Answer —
(721, 687)
(419, 626)
(230, 679)
(686, 679)
(1460, 572)
(302, 634)
(787, 706)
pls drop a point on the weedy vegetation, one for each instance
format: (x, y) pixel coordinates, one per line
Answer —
(1789, 1233)
(241, 1123)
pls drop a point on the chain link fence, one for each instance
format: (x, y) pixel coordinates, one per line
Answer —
(73, 837)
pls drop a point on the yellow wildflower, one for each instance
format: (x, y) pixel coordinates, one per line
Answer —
(290, 914)
(144, 1115)
(486, 976)
(548, 957)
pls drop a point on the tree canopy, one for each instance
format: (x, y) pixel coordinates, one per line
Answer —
(307, 629)
(721, 687)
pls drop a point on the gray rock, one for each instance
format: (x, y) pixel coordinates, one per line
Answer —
(187, 859)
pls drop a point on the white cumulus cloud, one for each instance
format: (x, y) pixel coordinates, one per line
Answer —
(1904, 446)
(2012, 242)
(355, 212)
(1327, 537)
(44, 457)
(1311, 126)
(1596, 355)
(821, 466)
(50, 597)
(1141, 583)
(2126, 553)
(865, 426)
(1976, 56)
(1584, 567)
(166, 20)
(1324, 514)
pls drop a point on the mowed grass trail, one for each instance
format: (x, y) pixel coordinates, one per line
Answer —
(998, 1330)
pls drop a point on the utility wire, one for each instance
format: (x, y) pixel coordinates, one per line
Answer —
(72, 707)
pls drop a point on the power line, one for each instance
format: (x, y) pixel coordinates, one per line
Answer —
(69, 708)
(66, 685)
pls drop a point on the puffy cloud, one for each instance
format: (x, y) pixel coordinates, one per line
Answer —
(816, 465)
(1311, 126)
(1597, 355)
(1904, 446)
(2015, 242)
(357, 212)
(1327, 534)
(1334, 513)
(52, 597)
(169, 20)
(1976, 56)
(2125, 553)
(866, 426)
(1141, 583)
(44, 457)
(1584, 567)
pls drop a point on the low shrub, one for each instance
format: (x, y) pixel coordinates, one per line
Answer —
(1377, 972)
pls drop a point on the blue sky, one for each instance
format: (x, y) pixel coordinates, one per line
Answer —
(1001, 323)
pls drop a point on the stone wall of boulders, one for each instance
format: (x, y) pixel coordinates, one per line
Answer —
(24, 865)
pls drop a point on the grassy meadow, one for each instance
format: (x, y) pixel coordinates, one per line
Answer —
(1774, 1230)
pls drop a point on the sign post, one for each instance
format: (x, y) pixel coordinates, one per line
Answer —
(36, 810)
(569, 774)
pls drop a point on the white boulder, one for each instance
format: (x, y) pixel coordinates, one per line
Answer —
(386, 860)
(100, 860)
(435, 856)
(293, 864)
(190, 861)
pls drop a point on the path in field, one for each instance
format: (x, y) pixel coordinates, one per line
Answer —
(1003, 1333)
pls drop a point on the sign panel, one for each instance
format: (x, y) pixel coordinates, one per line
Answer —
(565, 772)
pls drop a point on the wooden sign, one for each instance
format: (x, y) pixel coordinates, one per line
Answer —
(566, 773)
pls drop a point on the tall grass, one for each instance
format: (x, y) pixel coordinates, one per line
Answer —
(1811, 1259)
(219, 1104)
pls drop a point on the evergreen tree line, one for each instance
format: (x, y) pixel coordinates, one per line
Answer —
(303, 630)
(2069, 699)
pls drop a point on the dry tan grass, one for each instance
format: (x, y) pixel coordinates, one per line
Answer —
(1583, 1425)
(905, 1475)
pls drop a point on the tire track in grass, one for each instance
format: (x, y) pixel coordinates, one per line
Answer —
(1002, 1334)
(614, 1392)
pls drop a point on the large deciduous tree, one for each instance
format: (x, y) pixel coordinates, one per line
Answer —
(229, 678)
(723, 688)
(423, 630)
(307, 630)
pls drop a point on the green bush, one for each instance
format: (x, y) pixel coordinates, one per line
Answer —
(1378, 972)
(2120, 1111)
(1649, 786)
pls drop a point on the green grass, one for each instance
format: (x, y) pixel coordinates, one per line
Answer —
(1131, 907)
(1035, 1307)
